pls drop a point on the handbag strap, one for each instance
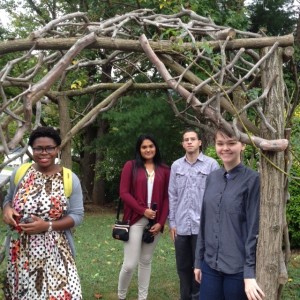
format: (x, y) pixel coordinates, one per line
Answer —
(119, 204)
(119, 208)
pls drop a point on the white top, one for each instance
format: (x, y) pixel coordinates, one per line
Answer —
(150, 181)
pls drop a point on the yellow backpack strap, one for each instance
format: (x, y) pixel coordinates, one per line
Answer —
(67, 177)
(21, 172)
(67, 180)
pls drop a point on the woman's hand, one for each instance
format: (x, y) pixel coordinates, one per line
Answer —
(253, 291)
(198, 275)
(9, 215)
(155, 229)
(37, 226)
(150, 214)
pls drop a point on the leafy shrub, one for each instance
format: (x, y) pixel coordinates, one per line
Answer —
(293, 218)
(293, 207)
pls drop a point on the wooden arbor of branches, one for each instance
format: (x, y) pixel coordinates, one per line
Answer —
(221, 74)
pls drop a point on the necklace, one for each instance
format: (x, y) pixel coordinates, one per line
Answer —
(150, 175)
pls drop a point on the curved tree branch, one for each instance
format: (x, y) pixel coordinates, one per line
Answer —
(273, 145)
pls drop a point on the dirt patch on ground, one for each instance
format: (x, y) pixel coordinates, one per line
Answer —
(295, 251)
(96, 209)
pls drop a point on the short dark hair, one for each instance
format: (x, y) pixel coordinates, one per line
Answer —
(227, 133)
(138, 157)
(191, 130)
(44, 131)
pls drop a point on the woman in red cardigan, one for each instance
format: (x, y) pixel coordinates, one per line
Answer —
(144, 185)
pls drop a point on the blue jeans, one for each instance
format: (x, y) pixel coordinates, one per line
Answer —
(220, 286)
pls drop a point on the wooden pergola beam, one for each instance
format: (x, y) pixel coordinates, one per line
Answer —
(163, 47)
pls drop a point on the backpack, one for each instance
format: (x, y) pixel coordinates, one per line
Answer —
(67, 177)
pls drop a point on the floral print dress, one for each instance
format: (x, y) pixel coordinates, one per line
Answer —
(41, 266)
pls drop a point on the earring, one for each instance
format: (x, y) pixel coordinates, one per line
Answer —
(58, 158)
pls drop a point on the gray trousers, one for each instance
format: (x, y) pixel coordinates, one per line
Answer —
(137, 253)
(185, 246)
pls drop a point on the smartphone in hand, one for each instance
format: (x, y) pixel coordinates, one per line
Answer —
(26, 220)
(154, 206)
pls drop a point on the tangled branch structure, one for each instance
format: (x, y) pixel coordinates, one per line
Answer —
(151, 51)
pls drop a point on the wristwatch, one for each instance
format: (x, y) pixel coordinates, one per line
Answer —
(50, 226)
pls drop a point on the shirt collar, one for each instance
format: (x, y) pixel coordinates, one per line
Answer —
(200, 157)
(233, 172)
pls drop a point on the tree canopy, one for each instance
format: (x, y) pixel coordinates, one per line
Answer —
(187, 35)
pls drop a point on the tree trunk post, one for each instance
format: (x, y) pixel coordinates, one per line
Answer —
(98, 193)
(87, 163)
(65, 126)
(269, 249)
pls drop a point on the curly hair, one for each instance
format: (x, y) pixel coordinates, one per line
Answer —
(44, 131)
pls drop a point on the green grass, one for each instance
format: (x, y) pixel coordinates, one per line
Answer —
(292, 288)
(99, 258)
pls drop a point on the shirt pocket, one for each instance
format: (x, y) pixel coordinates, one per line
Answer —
(181, 179)
(199, 179)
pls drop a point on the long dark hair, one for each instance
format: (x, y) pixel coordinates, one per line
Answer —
(139, 160)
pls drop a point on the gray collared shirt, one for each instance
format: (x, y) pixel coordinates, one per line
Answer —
(186, 189)
(229, 222)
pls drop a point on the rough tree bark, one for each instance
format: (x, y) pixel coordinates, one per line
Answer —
(297, 35)
(65, 126)
(162, 47)
(98, 193)
(87, 163)
(269, 250)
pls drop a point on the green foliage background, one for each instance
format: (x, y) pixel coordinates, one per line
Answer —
(140, 113)
(293, 205)
(143, 112)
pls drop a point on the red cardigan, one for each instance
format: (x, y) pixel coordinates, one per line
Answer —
(133, 192)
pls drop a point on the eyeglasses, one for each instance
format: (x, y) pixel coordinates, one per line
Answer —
(193, 139)
(39, 150)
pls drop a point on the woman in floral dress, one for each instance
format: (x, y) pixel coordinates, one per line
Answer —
(41, 251)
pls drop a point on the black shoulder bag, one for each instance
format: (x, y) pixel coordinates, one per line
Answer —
(120, 229)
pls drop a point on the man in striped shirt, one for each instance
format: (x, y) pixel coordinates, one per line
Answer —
(186, 189)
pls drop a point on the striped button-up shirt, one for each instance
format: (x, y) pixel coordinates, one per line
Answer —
(186, 189)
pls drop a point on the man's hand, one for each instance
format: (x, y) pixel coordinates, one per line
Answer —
(253, 291)
(198, 275)
(173, 233)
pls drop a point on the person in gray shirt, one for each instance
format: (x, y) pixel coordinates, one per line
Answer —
(186, 189)
(226, 245)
